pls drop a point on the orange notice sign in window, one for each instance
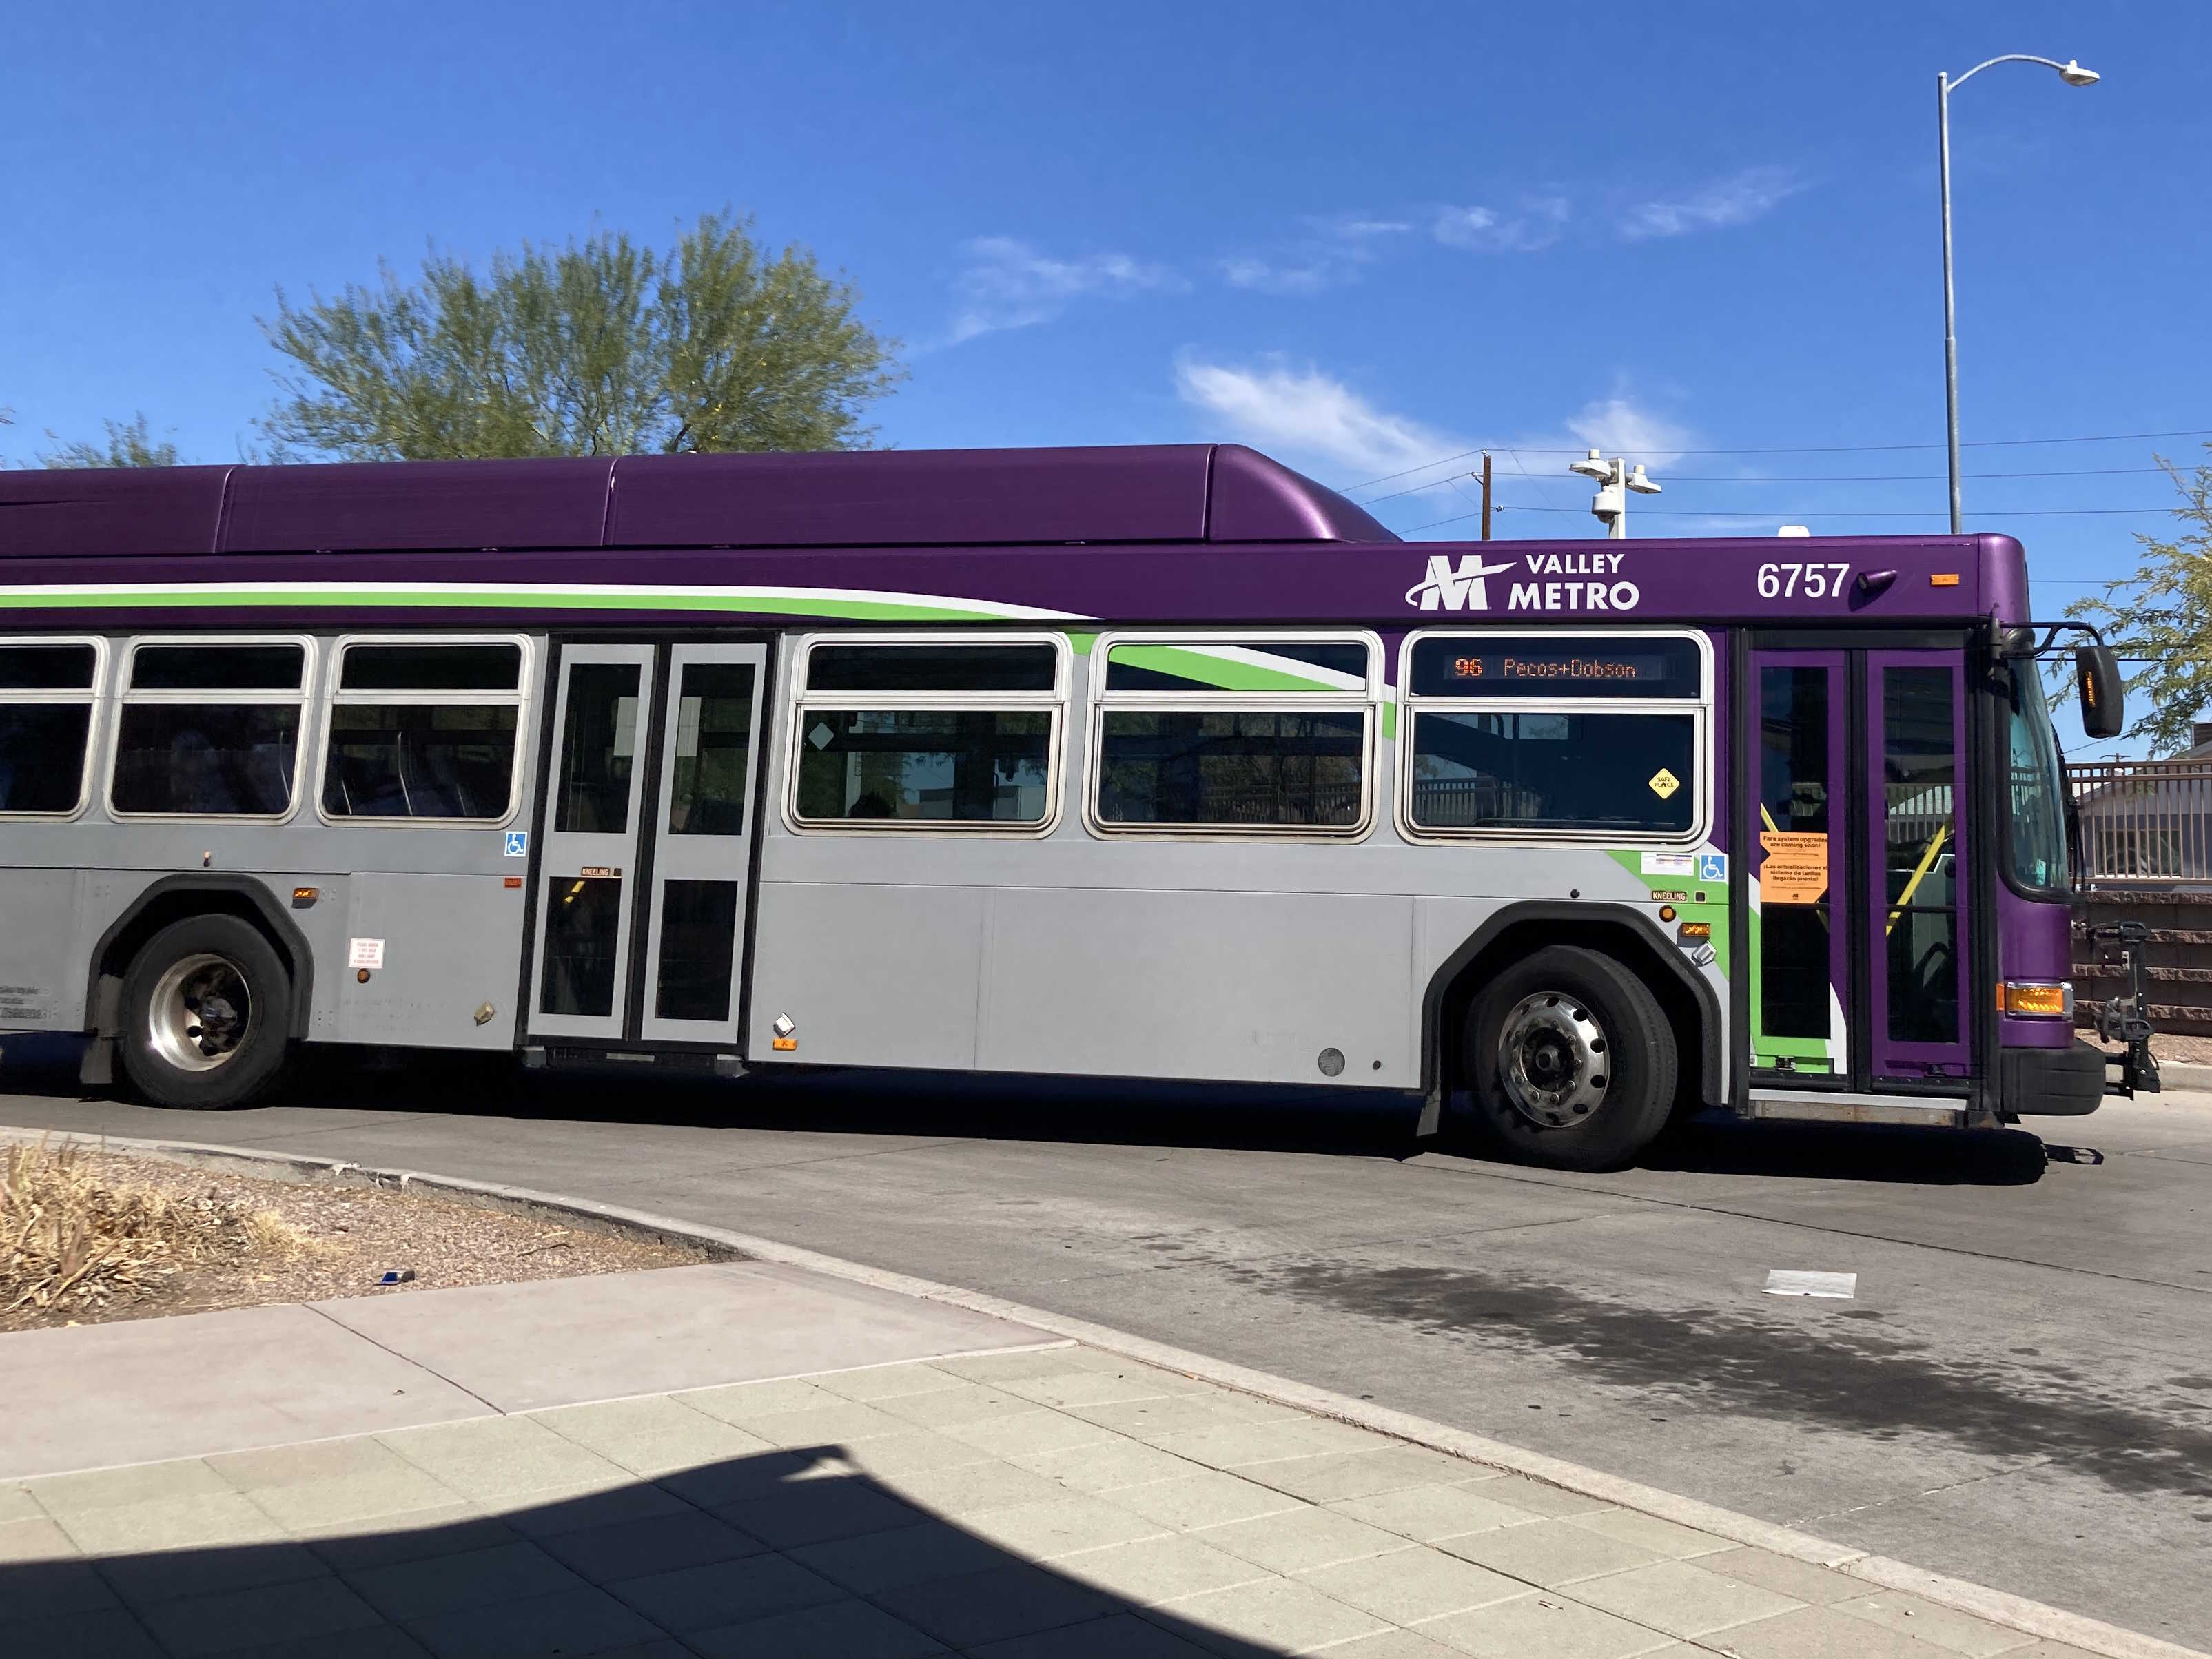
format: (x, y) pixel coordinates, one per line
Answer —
(1796, 867)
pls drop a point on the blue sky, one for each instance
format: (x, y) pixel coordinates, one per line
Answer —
(1361, 238)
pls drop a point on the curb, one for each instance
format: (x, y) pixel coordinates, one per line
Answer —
(2182, 1074)
(2013, 1612)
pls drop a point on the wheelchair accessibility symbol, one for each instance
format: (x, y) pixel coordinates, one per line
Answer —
(518, 843)
(1712, 867)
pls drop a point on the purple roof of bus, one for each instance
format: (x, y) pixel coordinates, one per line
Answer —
(869, 498)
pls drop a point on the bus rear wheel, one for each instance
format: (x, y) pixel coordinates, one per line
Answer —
(1568, 1060)
(206, 1007)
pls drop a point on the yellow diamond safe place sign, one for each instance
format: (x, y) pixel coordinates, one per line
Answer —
(1664, 783)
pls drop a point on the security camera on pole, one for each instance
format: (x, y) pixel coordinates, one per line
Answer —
(1614, 478)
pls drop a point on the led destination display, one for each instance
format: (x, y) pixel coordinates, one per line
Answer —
(1537, 666)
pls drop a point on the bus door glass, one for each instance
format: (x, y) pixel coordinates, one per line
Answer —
(1916, 931)
(647, 843)
(1801, 977)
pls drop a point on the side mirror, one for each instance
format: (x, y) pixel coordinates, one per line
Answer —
(2104, 701)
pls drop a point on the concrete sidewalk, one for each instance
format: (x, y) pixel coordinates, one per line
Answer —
(632, 1465)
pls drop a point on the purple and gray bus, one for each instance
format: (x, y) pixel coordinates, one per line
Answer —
(1157, 762)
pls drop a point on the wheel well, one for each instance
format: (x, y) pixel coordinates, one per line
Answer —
(173, 900)
(1698, 1078)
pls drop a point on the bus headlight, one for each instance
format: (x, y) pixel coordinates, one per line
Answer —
(2037, 999)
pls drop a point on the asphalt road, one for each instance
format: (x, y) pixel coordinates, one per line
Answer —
(2019, 1395)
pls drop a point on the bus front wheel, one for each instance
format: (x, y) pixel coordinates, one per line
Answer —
(1568, 1060)
(206, 1009)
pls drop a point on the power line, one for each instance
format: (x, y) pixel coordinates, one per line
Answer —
(1817, 449)
(1817, 477)
(1793, 512)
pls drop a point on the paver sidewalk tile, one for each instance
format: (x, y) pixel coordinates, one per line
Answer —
(877, 1382)
(2049, 1650)
(1410, 1584)
(34, 1538)
(1152, 1569)
(725, 1593)
(968, 1488)
(387, 1642)
(1297, 1539)
(470, 1578)
(1666, 1538)
(1801, 1581)
(1325, 1477)
(1075, 1521)
(1944, 1627)
(298, 1613)
(837, 1630)
(1549, 1552)
(1544, 1626)
(1392, 1644)
(649, 1544)
(651, 1436)
(1007, 1600)
(1089, 1386)
(878, 1561)
(1682, 1598)
(1120, 1635)
(1035, 1429)
(835, 1424)
(543, 1515)
(738, 1478)
(112, 1634)
(1026, 1362)
(741, 1402)
(585, 1621)
(1283, 1616)
(64, 1495)
(16, 1504)
(55, 1588)
(1103, 1466)
(334, 1483)
(488, 1458)
(450, 1529)
(945, 1408)
(1233, 1445)
(912, 1451)
(1205, 1498)
(1156, 1416)
(155, 1576)
(1541, 1499)
(1430, 1512)
(205, 1522)
(1823, 1632)
(816, 1511)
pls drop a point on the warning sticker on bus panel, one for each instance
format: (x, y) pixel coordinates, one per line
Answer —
(1670, 864)
(1796, 867)
(365, 953)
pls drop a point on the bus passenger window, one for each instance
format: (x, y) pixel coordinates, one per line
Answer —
(424, 729)
(46, 726)
(919, 734)
(210, 730)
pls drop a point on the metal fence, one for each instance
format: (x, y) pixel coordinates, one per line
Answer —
(2143, 822)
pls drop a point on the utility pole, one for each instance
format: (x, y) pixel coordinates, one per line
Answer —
(1486, 494)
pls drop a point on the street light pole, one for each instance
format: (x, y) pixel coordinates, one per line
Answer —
(2073, 76)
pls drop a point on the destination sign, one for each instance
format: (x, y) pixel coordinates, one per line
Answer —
(1539, 666)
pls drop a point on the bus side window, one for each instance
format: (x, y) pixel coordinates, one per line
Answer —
(47, 692)
(424, 729)
(210, 728)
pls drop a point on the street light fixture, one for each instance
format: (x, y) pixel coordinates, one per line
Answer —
(1610, 505)
(2073, 76)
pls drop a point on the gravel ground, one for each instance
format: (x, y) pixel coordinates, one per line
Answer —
(340, 1240)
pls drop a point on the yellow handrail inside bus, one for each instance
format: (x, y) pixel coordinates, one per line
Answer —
(1927, 863)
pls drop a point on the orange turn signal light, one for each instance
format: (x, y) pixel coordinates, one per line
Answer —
(1949, 580)
(1690, 930)
(2041, 998)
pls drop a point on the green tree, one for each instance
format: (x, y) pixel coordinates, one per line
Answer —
(2162, 612)
(129, 444)
(597, 348)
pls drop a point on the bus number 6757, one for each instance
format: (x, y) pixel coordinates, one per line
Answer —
(1820, 580)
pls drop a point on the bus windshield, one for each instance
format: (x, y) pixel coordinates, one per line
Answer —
(2035, 827)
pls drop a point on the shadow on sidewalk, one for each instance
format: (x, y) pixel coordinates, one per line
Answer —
(790, 1554)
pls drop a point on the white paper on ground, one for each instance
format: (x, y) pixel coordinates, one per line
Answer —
(1782, 1281)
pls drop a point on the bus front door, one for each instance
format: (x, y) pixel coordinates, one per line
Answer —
(646, 852)
(1857, 930)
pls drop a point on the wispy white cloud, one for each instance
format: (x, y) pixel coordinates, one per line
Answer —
(1333, 251)
(1007, 284)
(1536, 224)
(1308, 417)
(1735, 200)
(1620, 426)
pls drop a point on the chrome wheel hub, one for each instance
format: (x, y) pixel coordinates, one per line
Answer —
(200, 1012)
(1553, 1058)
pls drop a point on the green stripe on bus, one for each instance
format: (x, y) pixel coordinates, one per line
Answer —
(1230, 674)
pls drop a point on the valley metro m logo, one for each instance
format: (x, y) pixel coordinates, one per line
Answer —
(1446, 588)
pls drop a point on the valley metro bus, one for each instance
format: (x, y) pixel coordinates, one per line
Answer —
(1134, 762)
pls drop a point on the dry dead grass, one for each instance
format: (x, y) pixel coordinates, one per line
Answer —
(73, 1241)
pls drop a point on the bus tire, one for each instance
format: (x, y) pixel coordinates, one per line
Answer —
(1568, 1060)
(207, 1008)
